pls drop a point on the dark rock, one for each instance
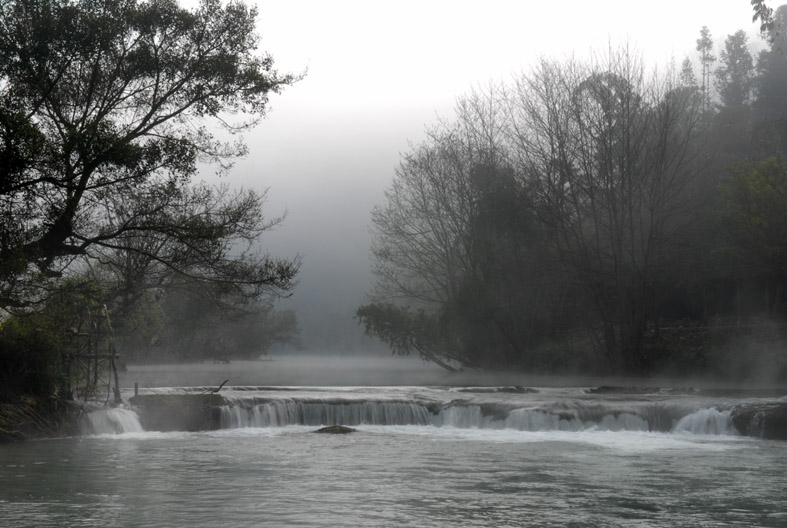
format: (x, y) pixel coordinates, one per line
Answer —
(335, 429)
(765, 420)
(609, 389)
(517, 390)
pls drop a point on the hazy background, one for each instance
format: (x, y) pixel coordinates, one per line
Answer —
(379, 73)
(322, 370)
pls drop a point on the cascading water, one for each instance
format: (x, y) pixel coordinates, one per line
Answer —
(559, 409)
(113, 421)
(430, 457)
(707, 421)
(422, 457)
(284, 412)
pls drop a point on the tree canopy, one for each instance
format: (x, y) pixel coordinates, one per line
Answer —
(560, 220)
(106, 111)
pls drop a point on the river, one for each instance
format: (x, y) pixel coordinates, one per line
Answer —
(422, 456)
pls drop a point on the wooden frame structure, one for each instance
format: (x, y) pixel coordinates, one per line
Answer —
(92, 366)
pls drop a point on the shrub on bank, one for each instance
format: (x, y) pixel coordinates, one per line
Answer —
(30, 361)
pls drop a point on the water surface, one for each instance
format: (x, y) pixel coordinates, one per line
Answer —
(458, 470)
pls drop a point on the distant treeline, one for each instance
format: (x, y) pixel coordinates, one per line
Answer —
(597, 216)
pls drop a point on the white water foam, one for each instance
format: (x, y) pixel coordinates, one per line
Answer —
(707, 422)
(113, 421)
(621, 441)
(281, 413)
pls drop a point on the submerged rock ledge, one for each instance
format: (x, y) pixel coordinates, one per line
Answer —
(689, 391)
(203, 411)
(179, 412)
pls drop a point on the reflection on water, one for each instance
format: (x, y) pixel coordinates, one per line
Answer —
(395, 476)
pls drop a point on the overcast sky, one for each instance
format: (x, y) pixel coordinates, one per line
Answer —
(379, 72)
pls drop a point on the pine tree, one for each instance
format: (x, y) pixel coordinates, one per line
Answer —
(705, 48)
(735, 74)
(687, 77)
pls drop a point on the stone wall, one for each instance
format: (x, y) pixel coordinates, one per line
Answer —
(178, 412)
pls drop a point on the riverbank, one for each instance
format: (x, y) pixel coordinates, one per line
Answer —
(29, 418)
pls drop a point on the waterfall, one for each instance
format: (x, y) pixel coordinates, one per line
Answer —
(535, 420)
(707, 421)
(462, 416)
(285, 412)
(280, 413)
(113, 421)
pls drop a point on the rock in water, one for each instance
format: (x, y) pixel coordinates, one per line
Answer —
(766, 420)
(335, 429)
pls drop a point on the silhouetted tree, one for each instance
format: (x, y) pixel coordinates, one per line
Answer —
(103, 109)
(687, 77)
(754, 210)
(613, 159)
(770, 101)
(195, 328)
(191, 235)
(733, 122)
(764, 14)
(707, 58)
(457, 253)
(735, 73)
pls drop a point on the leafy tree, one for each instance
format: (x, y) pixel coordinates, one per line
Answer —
(614, 162)
(509, 301)
(764, 14)
(264, 328)
(770, 102)
(733, 123)
(457, 254)
(584, 190)
(499, 302)
(755, 216)
(196, 235)
(422, 240)
(409, 331)
(34, 346)
(196, 328)
(104, 114)
(771, 93)
(422, 244)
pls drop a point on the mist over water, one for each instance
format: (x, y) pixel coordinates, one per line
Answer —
(291, 370)
(231, 443)
(374, 370)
